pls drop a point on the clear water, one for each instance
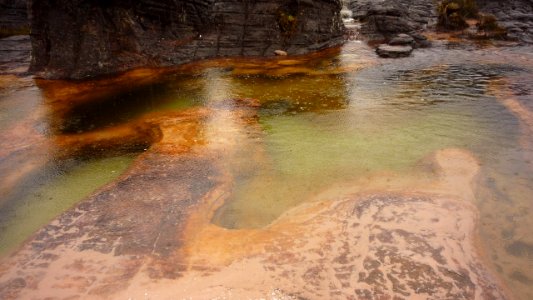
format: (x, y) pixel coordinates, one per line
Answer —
(44, 198)
(327, 120)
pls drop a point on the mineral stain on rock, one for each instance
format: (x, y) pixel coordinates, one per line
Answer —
(150, 232)
(370, 244)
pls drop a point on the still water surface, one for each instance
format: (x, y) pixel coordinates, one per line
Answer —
(324, 120)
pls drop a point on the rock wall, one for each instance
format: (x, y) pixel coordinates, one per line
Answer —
(13, 16)
(85, 38)
(514, 15)
(386, 18)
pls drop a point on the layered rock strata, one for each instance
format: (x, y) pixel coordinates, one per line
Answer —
(516, 16)
(384, 19)
(13, 17)
(80, 39)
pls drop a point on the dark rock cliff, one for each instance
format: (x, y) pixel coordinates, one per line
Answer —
(85, 38)
(386, 18)
(13, 17)
(516, 16)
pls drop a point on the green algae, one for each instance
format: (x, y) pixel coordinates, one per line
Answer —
(313, 147)
(38, 207)
(310, 152)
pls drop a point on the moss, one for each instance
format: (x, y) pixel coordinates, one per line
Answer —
(287, 23)
(488, 28)
(452, 14)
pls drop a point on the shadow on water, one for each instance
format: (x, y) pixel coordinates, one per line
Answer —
(124, 106)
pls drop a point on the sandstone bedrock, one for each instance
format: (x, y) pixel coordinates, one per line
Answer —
(77, 39)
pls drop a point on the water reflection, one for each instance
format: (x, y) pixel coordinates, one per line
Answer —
(45, 168)
(322, 120)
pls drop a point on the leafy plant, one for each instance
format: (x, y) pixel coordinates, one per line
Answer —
(287, 23)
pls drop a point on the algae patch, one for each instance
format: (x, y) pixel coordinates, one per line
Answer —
(42, 204)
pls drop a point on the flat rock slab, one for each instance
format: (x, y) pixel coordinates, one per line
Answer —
(149, 234)
(401, 40)
(389, 51)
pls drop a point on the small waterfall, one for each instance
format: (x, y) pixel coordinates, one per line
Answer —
(352, 28)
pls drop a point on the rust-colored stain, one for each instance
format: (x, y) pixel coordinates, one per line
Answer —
(149, 234)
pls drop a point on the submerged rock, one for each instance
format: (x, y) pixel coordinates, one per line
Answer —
(416, 242)
(389, 51)
(79, 39)
(412, 242)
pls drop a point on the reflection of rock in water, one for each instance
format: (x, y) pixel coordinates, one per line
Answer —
(97, 247)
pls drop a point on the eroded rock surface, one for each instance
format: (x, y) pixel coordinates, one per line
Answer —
(89, 38)
(383, 19)
(516, 16)
(414, 239)
(15, 55)
(389, 51)
(13, 17)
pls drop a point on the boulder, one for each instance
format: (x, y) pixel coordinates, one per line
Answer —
(514, 16)
(421, 41)
(387, 18)
(402, 39)
(77, 39)
(388, 51)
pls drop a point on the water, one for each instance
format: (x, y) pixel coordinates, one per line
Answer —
(53, 192)
(323, 120)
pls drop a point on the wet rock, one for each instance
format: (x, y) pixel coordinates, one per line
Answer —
(13, 18)
(384, 19)
(376, 245)
(387, 244)
(15, 54)
(388, 51)
(402, 39)
(420, 40)
(413, 39)
(516, 16)
(141, 217)
(79, 39)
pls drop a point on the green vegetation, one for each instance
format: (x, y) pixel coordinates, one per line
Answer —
(287, 23)
(452, 14)
(489, 28)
